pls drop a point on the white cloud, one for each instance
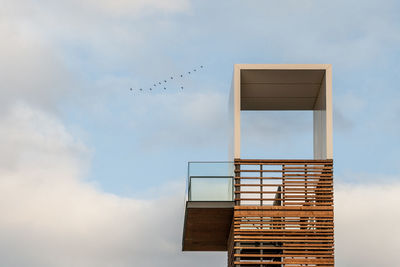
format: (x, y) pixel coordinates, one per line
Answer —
(135, 7)
(51, 216)
(31, 69)
(367, 224)
(105, 31)
(46, 47)
(31, 138)
(129, 8)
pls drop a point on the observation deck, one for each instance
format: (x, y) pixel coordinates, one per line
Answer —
(209, 206)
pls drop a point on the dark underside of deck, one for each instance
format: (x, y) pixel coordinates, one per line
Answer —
(207, 226)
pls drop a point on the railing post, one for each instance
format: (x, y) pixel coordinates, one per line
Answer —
(306, 184)
(237, 183)
(261, 186)
(283, 185)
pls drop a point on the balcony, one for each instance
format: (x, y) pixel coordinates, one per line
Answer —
(209, 206)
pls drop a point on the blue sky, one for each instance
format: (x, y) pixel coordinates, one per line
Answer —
(363, 53)
(73, 134)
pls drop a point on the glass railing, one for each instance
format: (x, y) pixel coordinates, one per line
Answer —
(210, 181)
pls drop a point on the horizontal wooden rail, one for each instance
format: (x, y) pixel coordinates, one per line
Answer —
(307, 182)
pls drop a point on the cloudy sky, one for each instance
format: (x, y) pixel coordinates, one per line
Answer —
(93, 174)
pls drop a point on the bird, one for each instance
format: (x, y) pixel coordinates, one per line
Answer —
(166, 80)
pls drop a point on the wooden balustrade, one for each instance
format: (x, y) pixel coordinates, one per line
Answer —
(283, 213)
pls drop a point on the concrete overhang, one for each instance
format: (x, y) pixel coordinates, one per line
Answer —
(272, 89)
(207, 225)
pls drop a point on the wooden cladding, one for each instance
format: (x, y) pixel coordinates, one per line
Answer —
(286, 183)
(283, 214)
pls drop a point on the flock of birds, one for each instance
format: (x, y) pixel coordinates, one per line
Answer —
(164, 83)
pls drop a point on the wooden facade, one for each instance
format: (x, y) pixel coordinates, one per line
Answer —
(283, 213)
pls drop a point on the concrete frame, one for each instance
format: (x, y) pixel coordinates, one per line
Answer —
(294, 96)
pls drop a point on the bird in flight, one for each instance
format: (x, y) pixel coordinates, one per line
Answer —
(171, 77)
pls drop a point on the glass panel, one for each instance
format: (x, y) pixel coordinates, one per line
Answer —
(211, 181)
(211, 189)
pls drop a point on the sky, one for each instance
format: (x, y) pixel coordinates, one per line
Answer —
(93, 174)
